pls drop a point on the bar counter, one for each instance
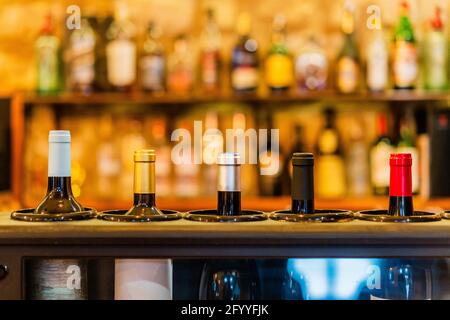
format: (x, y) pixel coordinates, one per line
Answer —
(268, 238)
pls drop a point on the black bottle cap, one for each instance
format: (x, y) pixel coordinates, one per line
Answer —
(303, 159)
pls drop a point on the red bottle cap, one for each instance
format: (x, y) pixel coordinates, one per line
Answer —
(400, 178)
(436, 22)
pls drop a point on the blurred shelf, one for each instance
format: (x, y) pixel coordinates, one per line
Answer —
(268, 204)
(282, 97)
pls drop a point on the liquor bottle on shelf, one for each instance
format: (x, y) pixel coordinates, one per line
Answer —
(59, 197)
(379, 155)
(244, 58)
(48, 59)
(180, 69)
(80, 57)
(377, 61)
(407, 144)
(405, 60)
(121, 50)
(330, 163)
(210, 59)
(357, 160)
(153, 62)
(311, 66)
(348, 68)
(279, 70)
(436, 55)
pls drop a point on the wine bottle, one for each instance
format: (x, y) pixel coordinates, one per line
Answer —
(311, 66)
(59, 197)
(400, 191)
(144, 184)
(210, 60)
(405, 64)
(279, 70)
(48, 59)
(180, 67)
(121, 50)
(153, 61)
(436, 55)
(302, 187)
(330, 162)
(80, 57)
(244, 59)
(377, 62)
(229, 184)
(348, 59)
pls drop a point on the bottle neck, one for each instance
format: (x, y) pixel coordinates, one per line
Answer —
(144, 178)
(62, 185)
(302, 189)
(144, 199)
(229, 190)
(400, 191)
(59, 159)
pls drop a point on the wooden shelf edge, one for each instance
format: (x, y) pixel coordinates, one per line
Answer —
(289, 97)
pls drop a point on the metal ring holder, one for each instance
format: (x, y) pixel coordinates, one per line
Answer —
(319, 215)
(119, 216)
(382, 216)
(28, 215)
(446, 215)
(212, 216)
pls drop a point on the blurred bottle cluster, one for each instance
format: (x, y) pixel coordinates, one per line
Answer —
(106, 54)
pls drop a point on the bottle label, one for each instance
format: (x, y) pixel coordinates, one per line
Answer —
(180, 80)
(379, 157)
(244, 77)
(83, 61)
(121, 62)
(377, 67)
(152, 70)
(405, 64)
(48, 68)
(279, 71)
(311, 70)
(210, 66)
(436, 62)
(328, 142)
(347, 75)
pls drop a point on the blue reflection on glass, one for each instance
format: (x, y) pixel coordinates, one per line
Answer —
(331, 279)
